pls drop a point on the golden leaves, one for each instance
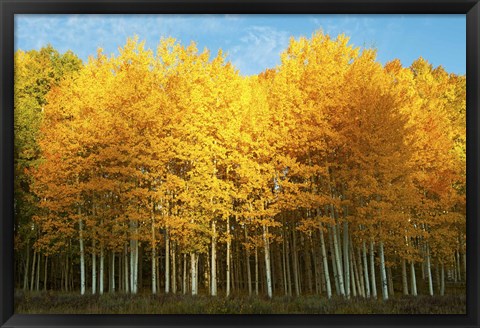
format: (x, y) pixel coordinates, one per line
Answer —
(184, 136)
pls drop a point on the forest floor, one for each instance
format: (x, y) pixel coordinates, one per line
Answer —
(73, 303)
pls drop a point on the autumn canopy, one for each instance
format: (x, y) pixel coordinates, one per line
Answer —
(168, 171)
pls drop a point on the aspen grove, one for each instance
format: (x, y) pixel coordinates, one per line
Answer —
(167, 171)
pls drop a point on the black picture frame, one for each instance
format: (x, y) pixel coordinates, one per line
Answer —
(471, 8)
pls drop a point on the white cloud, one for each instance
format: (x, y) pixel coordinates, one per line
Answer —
(259, 48)
(87, 32)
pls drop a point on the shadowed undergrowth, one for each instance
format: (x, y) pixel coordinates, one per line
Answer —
(72, 303)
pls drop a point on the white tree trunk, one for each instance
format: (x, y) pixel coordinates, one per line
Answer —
(184, 278)
(154, 253)
(132, 261)
(365, 269)
(325, 263)
(372, 270)
(193, 270)
(82, 256)
(82, 251)
(135, 266)
(132, 266)
(338, 261)
(112, 276)
(94, 260)
(429, 271)
(213, 267)
(414, 279)
(333, 259)
(228, 258)
(154, 268)
(167, 262)
(346, 261)
(268, 272)
(383, 273)
(102, 269)
(94, 269)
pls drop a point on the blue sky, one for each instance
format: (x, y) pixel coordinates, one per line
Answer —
(253, 42)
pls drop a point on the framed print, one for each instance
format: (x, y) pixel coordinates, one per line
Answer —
(239, 163)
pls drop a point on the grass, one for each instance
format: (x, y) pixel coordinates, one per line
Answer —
(72, 303)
